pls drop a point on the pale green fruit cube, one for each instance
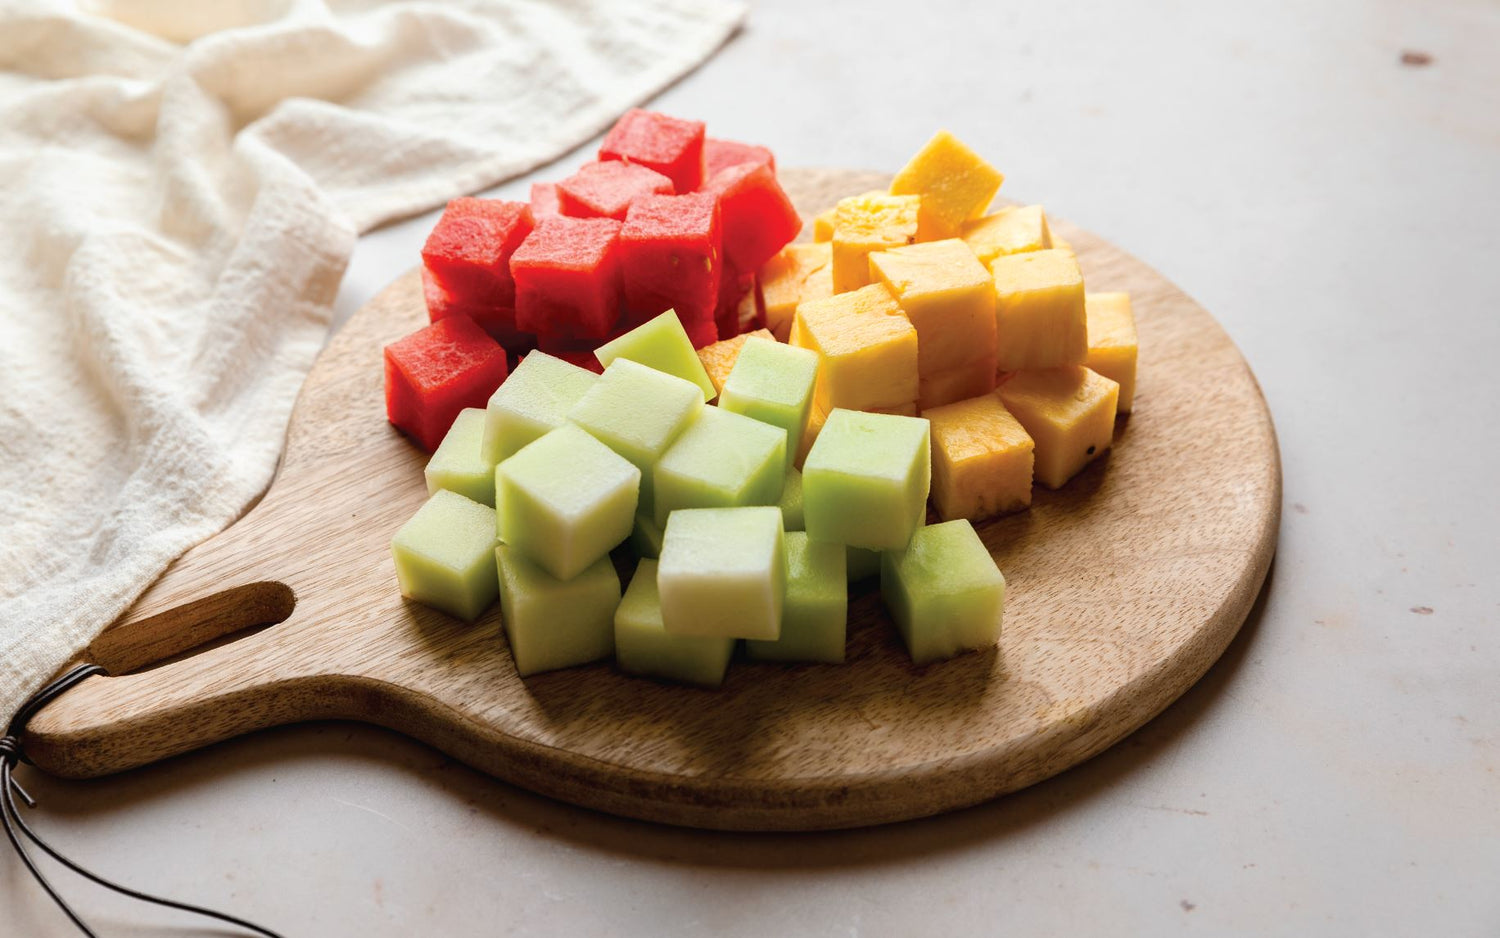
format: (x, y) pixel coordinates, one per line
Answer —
(645, 539)
(861, 564)
(445, 555)
(816, 613)
(773, 383)
(552, 623)
(944, 591)
(535, 398)
(722, 460)
(791, 502)
(865, 481)
(643, 646)
(565, 500)
(662, 344)
(458, 464)
(637, 412)
(723, 572)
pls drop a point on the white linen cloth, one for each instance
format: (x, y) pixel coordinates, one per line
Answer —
(181, 184)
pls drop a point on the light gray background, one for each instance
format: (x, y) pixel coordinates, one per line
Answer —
(1337, 773)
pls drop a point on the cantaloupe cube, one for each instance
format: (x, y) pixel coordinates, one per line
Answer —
(955, 185)
(815, 616)
(1112, 342)
(944, 591)
(865, 483)
(784, 282)
(866, 223)
(773, 383)
(643, 645)
(981, 459)
(1012, 230)
(1039, 313)
(792, 517)
(552, 623)
(718, 358)
(867, 349)
(957, 384)
(459, 465)
(535, 399)
(445, 555)
(663, 344)
(723, 573)
(1068, 412)
(948, 296)
(723, 460)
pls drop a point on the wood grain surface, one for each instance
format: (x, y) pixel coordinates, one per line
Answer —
(1123, 588)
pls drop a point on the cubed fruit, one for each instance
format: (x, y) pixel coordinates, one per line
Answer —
(670, 255)
(445, 555)
(607, 189)
(722, 154)
(662, 344)
(1012, 230)
(787, 280)
(866, 223)
(957, 384)
(723, 573)
(436, 372)
(981, 459)
(459, 465)
(759, 219)
(944, 591)
(644, 647)
(866, 480)
(536, 398)
(954, 182)
(816, 417)
(470, 247)
(567, 276)
(552, 623)
(645, 537)
(566, 500)
(823, 224)
(949, 298)
(792, 517)
(718, 358)
(861, 564)
(722, 460)
(1069, 413)
(1039, 313)
(815, 615)
(544, 200)
(668, 145)
(1112, 341)
(499, 321)
(773, 383)
(738, 309)
(867, 349)
(577, 353)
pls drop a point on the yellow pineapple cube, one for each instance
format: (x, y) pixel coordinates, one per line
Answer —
(719, 357)
(1039, 316)
(865, 223)
(823, 225)
(1008, 231)
(955, 384)
(949, 298)
(954, 182)
(867, 349)
(1112, 342)
(1070, 414)
(815, 420)
(981, 459)
(784, 282)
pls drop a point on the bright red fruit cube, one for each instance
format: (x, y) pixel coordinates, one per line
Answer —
(759, 219)
(671, 146)
(722, 154)
(469, 249)
(544, 199)
(670, 255)
(436, 372)
(567, 275)
(499, 321)
(607, 189)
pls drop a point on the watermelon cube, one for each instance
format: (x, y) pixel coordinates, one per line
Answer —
(739, 305)
(671, 146)
(470, 247)
(759, 219)
(567, 275)
(436, 372)
(722, 154)
(544, 200)
(670, 254)
(607, 189)
(493, 317)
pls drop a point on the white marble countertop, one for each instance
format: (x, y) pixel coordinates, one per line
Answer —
(1336, 773)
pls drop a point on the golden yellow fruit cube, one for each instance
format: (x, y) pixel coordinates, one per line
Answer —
(867, 349)
(784, 282)
(719, 357)
(1112, 341)
(1039, 315)
(981, 459)
(949, 298)
(954, 182)
(1013, 230)
(823, 225)
(955, 384)
(1070, 414)
(865, 223)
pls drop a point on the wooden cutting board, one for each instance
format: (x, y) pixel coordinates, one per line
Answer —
(1124, 587)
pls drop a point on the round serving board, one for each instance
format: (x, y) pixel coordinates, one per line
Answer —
(1123, 588)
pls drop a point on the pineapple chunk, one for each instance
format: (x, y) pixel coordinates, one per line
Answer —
(1070, 414)
(949, 298)
(956, 384)
(866, 223)
(867, 346)
(823, 225)
(719, 357)
(788, 279)
(1008, 231)
(1112, 342)
(954, 182)
(981, 459)
(1039, 316)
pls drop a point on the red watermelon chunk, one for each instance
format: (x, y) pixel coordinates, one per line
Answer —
(436, 372)
(759, 219)
(669, 252)
(668, 145)
(607, 189)
(498, 320)
(567, 276)
(722, 154)
(469, 249)
(544, 199)
(738, 308)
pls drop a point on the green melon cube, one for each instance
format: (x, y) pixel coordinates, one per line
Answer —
(662, 344)
(645, 539)
(723, 572)
(861, 564)
(643, 646)
(944, 591)
(722, 460)
(816, 612)
(773, 383)
(637, 412)
(534, 399)
(865, 481)
(565, 500)
(552, 623)
(791, 502)
(445, 555)
(458, 464)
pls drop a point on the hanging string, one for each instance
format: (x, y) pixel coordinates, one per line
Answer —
(16, 826)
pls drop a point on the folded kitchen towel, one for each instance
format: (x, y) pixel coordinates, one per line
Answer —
(181, 184)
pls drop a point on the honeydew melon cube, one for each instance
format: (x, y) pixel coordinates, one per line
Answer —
(644, 646)
(645, 537)
(661, 343)
(816, 612)
(719, 357)
(944, 592)
(723, 460)
(1069, 414)
(535, 398)
(723, 572)
(566, 500)
(866, 480)
(861, 564)
(791, 502)
(445, 555)
(552, 623)
(458, 464)
(773, 383)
